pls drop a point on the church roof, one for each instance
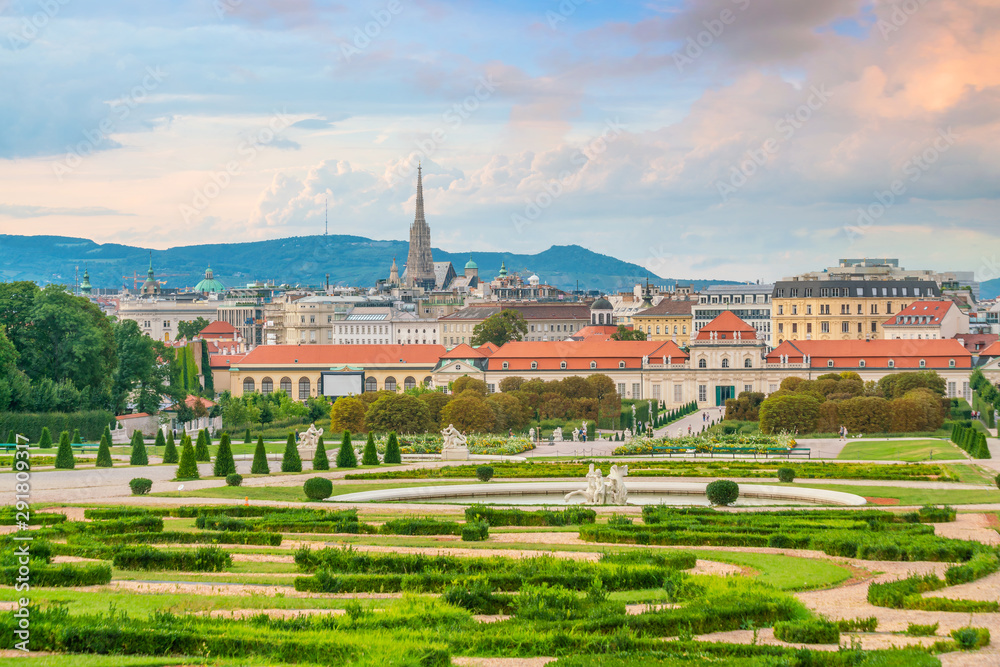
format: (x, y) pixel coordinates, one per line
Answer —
(725, 325)
(209, 284)
(471, 265)
(602, 304)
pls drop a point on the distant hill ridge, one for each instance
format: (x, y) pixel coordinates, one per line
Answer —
(299, 260)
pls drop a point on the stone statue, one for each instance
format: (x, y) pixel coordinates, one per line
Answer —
(594, 493)
(531, 434)
(453, 438)
(680, 432)
(576, 435)
(628, 434)
(600, 491)
(310, 438)
(557, 434)
(614, 486)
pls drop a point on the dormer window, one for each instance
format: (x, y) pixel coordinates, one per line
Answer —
(593, 365)
(892, 363)
(534, 365)
(923, 364)
(861, 364)
(621, 364)
(562, 365)
(505, 365)
(951, 363)
(829, 363)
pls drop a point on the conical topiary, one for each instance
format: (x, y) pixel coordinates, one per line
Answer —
(64, 456)
(320, 460)
(104, 451)
(346, 458)
(259, 466)
(45, 442)
(392, 454)
(370, 456)
(246, 438)
(224, 463)
(170, 449)
(160, 440)
(291, 462)
(188, 468)
(77, 439)
(201, 449)
(11, 437)
(139, 456)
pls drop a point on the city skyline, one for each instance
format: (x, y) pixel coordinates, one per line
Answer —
(668, 135)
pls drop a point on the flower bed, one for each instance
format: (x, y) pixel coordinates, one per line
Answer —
(707, 443)
(497, 445)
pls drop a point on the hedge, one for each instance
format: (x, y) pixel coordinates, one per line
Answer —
(515, 517)
(178, 537)
(60, 575)
(807, 632)
(203, 559)
(90, 422)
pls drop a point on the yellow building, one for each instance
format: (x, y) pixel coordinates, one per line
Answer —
(667, 320)
(841, 309)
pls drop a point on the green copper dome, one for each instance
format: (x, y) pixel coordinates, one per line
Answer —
(209, 284)
(503, 269)
(471, 265)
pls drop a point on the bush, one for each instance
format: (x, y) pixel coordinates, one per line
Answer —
(917, 630)
(259, 465)
(969, 638)
(140, 486)
(869, 624)
(722, 492)
(318, 488)
(807, 632)
(320, 460)
(201, 447)
(392, 453)
(203, 559)
(170, 454)
(224, 462)
(291, 462)
(477, 596)
(370, 456)
(104, 451)
(246, 438)
(188, 467)
(139, 457)
(786, 475)
(932, 514)
(515, 517)
(484, 473)
(346, 458)
(475, 531)
(619, 520)
(45, 442)
(31, 425)
(64, 455)
(234, 479)
(60, 575)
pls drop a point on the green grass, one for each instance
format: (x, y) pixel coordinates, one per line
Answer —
(786, 573)
(286, 493)
(135, 661)
(973, 474)
(916, 496)
(900, 450)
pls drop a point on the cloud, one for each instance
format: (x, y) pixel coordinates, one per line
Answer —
(21, 212)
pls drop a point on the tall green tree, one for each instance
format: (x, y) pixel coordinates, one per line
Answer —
(346, 458)
(206, 371)
(188, 468)
(201, 449)
(224, 463)
(246, 438)
(139, 377)
(370, 456)
(320, 459)
(503, 327)
(15, 387)
(45, 441)
(290, 461)
(170, 449)
(64, 455)
(190, 329)
(627, 334)
(259, 465)
(104, 451)
(398, 412)
(16, 302)
(139, 456)
(392, 453)
(159, 441)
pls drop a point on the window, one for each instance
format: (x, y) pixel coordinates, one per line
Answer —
(809, 310)
(888, 307)
(678, 393)
(725, 363)
(829, 363)
(874, 309)
(795, 328)
(248, 385)
(892, 363)
(428, 381)
(795, 310)
(781, 310)
(702, 363)
(409, 383)
(951, 390)
(304, 388)
(534, 365)
(266, 386)
(859, 327)
(748, 388)
(562, 365)
(593, 364)
(657, 328)
(621, 388)
(506, 365)
(656, 391)
(166, 324)
(771, 388)
(684, 329)
(781, 327)
(809, 327)
(748, 363)
(286, 385)
(636, 390)
(371, 384)
(390, 383)
(874, 327)
(861, 363)
(845, 327)
(951, 363)
(491, 388)
(824, 327)
(702, 393)
(621, 364)
(923, 364)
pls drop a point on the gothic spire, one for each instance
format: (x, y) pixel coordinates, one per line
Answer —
(419, 217)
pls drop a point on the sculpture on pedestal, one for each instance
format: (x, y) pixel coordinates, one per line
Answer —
(531, 434)
(453, 438)
(310, 438)
(557, 434)
(576, 435)
(600, 491)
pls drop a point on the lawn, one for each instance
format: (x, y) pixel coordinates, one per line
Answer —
(973, 474)
(285, 493)
(901, 450)
(912, 496)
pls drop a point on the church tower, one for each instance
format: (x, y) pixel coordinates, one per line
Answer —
(394, 273)
(419, 263)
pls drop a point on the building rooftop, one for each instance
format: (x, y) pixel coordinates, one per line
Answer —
(921, 313)
(669, 307)
(578, 355)
(904, 353)
(725, 326)
(336, 355)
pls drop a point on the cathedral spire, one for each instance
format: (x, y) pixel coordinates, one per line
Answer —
(419, 263)
(419, 217)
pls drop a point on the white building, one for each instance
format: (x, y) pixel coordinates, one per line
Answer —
(923, 320)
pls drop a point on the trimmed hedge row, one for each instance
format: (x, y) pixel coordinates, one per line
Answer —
(91, 423)
(514, 517)
(204, 559)
(43, 575)
(177, 537)
(971, 440)
(814, 631)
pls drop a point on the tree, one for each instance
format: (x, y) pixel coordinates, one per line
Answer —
(346, 458)
(318, 407)
(64, 455)
(469, 414)
(159, 441)
(347, 414)
(259, 465)
(398, 412)
(206, 370)
(201, 449)
(138, 377)
(45, 441)
(246, 438)
(392, 453)
(170, 449)
(865, 414)
(509, 412)
(291, 462)
(796, 413)
(139, 456)
(77, 438)
(466, 383)
(320, 460)
(511, 383)
(370, 456)
(224, 463)
(188, 467)
(191, 329)
(503, 327)
(16, 301)
(435, 400)
(627, 334)
(104, 451)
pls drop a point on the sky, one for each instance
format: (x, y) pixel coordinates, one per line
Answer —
(727, 139)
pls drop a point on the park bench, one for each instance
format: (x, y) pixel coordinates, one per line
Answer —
(800, 451)
(670, 451)
(85, 448)
(7, 447)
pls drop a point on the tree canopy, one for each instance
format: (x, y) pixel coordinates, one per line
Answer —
(627, 334)
(505, 326)
(191, 329)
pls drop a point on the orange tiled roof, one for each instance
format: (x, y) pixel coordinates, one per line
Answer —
(218, 327)
(463, 351)
(668, 307)
(936, 353)
(921, 313)
(488, 348)
(992, 351)
(608, 354)
(602, 331)
(224, 360)
(726, 324)
(334, 355)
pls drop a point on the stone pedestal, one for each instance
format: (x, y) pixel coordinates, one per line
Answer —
(455, 454)
(307, 453)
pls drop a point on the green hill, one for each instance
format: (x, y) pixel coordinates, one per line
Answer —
(301, 260)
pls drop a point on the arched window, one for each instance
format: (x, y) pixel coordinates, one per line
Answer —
(684, 329)
(304, 387)
(725, 363)
(409, 383)
(534, 365)
(923, 364)
(562, 365)
(892, 363)
(861, 363)
(702, 363)
(286, 386)
(266, 386)
(248, 385)
(593, 364)
(506, 365)
(390, 383)
(621, 364)
(371, 384)
(428, 381)
(657, 329)
(829, 363)
(951, 363)
(747, 363)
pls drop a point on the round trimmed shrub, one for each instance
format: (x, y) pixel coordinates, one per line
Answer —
(234, 479)
(318, 488)
(997, 481)
(484, 473)
(786, 475)
(722, 492)
(140, 486)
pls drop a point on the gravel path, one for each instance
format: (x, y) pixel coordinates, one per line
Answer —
(969, 526)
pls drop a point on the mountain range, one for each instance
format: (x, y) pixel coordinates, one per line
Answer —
(300, 260)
